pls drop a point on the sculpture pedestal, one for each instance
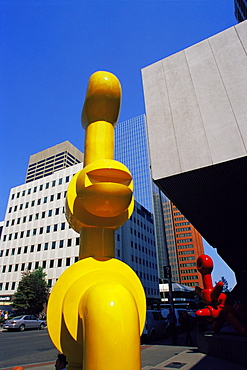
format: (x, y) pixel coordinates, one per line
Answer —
(227, 346)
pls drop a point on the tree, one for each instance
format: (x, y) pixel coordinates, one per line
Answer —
(32, 292)
(225, 287)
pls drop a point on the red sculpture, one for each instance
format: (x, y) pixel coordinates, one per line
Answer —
(216, 309)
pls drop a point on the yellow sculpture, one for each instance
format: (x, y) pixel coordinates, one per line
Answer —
(96, 311)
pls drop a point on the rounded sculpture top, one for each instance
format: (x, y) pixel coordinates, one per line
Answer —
(103, 99)
(205, 264)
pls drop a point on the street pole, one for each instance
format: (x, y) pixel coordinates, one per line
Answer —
(167, 269)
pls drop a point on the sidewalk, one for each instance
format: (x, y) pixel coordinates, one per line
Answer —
(160, 357)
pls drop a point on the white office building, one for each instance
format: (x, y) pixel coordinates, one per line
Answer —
(35, 231)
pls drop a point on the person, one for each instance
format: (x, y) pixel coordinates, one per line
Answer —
(187, 321)
(172, 325)
(6, 316)
(61, 362)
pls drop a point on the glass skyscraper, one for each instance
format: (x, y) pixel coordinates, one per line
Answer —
(131, 148)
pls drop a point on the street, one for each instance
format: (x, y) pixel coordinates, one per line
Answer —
(27, 347)
(35, 346)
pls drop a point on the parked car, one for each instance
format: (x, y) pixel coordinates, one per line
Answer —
(154, 326)
(24, 322)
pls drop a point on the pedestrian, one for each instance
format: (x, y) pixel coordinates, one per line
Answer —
(61, 362)
(187, 322)
(172, 325)
(6, 316)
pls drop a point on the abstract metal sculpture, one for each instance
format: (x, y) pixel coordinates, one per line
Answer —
(96, 311)
(216, 309)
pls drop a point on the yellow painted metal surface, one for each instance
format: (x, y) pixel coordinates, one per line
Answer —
(96, 311)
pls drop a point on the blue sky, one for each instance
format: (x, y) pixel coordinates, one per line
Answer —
(50, 48)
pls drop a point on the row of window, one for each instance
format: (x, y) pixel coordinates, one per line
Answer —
(139, 223)
(184, 241)
(34, 217)
(182, 223)
(186, 246)
(143, 262)
(35, 265)
(38, 202)
(182, 229)
(183, 235)
(143, 237)
(141, 248)
(187, 264)
(40, 187)
(186, 252)
(189, 271)
(39, 247)
(192, 277)
(33, 232)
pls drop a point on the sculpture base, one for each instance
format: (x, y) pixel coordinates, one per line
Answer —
(227, 346)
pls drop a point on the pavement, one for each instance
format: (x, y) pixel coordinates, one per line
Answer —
(161, 355)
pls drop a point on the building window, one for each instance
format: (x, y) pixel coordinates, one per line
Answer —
(7, 252)
(60, 181)
(44, 264)
(51, 263)
(13, 251)
(45, 199)
(41, 230)
(38, 247)
(24, 219)
(25, 249)
(63, 226)
(48, 229)
(32, 248)
(22, 266)
(29, 266)
(58, 196)
(53, 245)
(61, 244)
(46, 246)
(57, 211)
(4, 269)
(51, 198)
(32, 203)
(16, 267)
(43, 215)
(59, 262)
(22, 234)
(36, 265)
(30, 218)
(49, 283)
(36, 216)
(6, 286)
(47, 185)
(50, 213)
(55, 227)
(53, 183)
(34, 231)
(19, 250)
(69, 243)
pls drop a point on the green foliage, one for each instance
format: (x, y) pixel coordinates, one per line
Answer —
(225, 288)
(32, 292)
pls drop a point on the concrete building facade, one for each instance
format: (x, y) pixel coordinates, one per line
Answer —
(196, 117)
(35, 233)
